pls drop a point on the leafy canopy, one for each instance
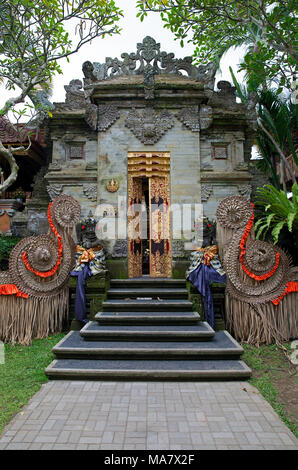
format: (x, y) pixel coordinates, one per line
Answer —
(34, 37)
(217, 25)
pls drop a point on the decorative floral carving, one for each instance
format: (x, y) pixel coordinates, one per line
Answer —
(178, 250)
(206, 191)
(190, 117)
(54, 190)
(90, 190)
(149, 126)
(107, 115)
(120, 249)
(148, 61)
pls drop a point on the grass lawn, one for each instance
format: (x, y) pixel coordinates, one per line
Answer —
(22, 374)
(276, 379)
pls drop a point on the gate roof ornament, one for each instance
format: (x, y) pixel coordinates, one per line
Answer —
(148, 61)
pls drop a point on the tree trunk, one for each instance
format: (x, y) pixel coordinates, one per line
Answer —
(8, 155)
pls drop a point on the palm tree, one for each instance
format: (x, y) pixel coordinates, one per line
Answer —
(277, 120)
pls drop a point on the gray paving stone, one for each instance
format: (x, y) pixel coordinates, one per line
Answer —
(133, 415)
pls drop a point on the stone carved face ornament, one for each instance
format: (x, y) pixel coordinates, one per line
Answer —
(149, 126)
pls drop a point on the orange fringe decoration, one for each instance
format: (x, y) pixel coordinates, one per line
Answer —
(60, 249)
(290, 287)
(10, 289)
(262, 277)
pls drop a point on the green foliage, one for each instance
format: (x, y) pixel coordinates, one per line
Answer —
(268, 27)
(22, 374)
(278, 115)
(6, 245)
(34, 38)
(279, 211)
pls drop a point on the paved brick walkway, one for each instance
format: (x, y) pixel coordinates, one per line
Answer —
(147, 415)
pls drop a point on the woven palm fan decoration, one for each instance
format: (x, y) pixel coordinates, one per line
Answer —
(262, 287)
(34, 290)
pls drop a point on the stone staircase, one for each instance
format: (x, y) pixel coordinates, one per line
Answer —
(148, 331)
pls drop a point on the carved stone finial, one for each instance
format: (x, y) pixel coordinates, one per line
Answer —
(226, 89)
(149, 61)
(74, 94)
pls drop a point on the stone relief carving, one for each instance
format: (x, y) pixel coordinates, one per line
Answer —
(178, 250)
(226, 90)
(107, 115)
(148, 61)
(90, 191)
(91, 116)
(190, 117)
(74, 98)
(54, 190)
(206, 191)
(245, 190)
(149, 126)
(205, 116)
(120, 249)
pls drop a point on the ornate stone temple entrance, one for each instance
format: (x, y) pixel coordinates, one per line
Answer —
(154, 128)
(149, 241)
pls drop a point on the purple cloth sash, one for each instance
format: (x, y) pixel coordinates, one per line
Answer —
(201, 278)
(80, 302)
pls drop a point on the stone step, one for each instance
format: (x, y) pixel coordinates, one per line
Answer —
(93, 331)
(150, 318)
(75, 346)
(148, 282)
(152, 293)
(173, 305)
(152, 369)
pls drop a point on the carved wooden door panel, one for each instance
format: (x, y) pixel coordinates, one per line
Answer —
(134, 227)
(160, 239)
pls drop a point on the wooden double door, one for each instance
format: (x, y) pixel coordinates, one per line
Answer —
(149, 240)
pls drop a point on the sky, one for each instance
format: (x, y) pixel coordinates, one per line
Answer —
(133, 31)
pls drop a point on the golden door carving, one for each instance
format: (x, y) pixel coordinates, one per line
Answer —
(134, 227)
(155, 167)
(160, 239)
